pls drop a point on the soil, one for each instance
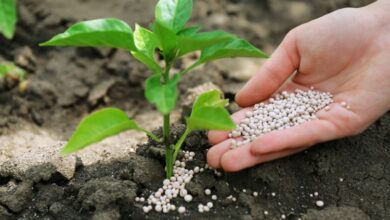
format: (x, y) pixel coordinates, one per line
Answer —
(350, 175)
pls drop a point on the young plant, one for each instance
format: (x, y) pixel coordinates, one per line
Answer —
(169, 37)
(10, 70)
(11, 75)
(7, 18)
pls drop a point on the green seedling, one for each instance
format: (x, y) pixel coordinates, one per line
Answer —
(10, 70)
(169, 37)
(8, 18)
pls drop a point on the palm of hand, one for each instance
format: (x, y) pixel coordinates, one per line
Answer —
(340, 53)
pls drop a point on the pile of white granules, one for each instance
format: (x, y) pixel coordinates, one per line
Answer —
(283, 110)
(162, 199)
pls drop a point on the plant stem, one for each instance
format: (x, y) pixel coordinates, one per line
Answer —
(179, 143)
(166, 130)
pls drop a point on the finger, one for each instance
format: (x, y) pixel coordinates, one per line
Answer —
(242, 158)
(281, 65)
(215, 153)
(216, 137)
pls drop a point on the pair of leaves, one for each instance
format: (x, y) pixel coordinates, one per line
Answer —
(164, 96)
(209, 113)
(8, 18)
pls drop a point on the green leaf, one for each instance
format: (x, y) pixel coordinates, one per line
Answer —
(173, 14)
(11, 70)
(189, 31)
(107, 32)
(98, 126)
(199, 41)
(146, 43)
(209, 113)
(167, 41)
(230, 49)
(164, 96)
(8, 17)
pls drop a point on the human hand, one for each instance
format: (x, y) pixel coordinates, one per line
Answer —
(346, 53)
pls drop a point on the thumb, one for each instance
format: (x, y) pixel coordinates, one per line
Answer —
(282, 64)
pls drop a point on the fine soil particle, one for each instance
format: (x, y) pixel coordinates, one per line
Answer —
(351, 176)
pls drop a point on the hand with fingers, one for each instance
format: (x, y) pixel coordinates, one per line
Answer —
(346, 53)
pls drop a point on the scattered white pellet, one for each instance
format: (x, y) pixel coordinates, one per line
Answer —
(214, 197)
(181, 209)
(158, 208)
(341, 180)
(146, 209)
(210, 205)
(315, 193)
(273, 194)
(207, 191)
(283, 216)
(244, 190)
(255, 194)
(196, 169)
(266, 212)
(320, 203)
(188, 198)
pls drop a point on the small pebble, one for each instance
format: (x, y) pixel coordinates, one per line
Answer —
(214, 197)
(207, 191)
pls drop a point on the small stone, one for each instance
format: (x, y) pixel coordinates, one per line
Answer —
(207, 191)
(214, 197)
